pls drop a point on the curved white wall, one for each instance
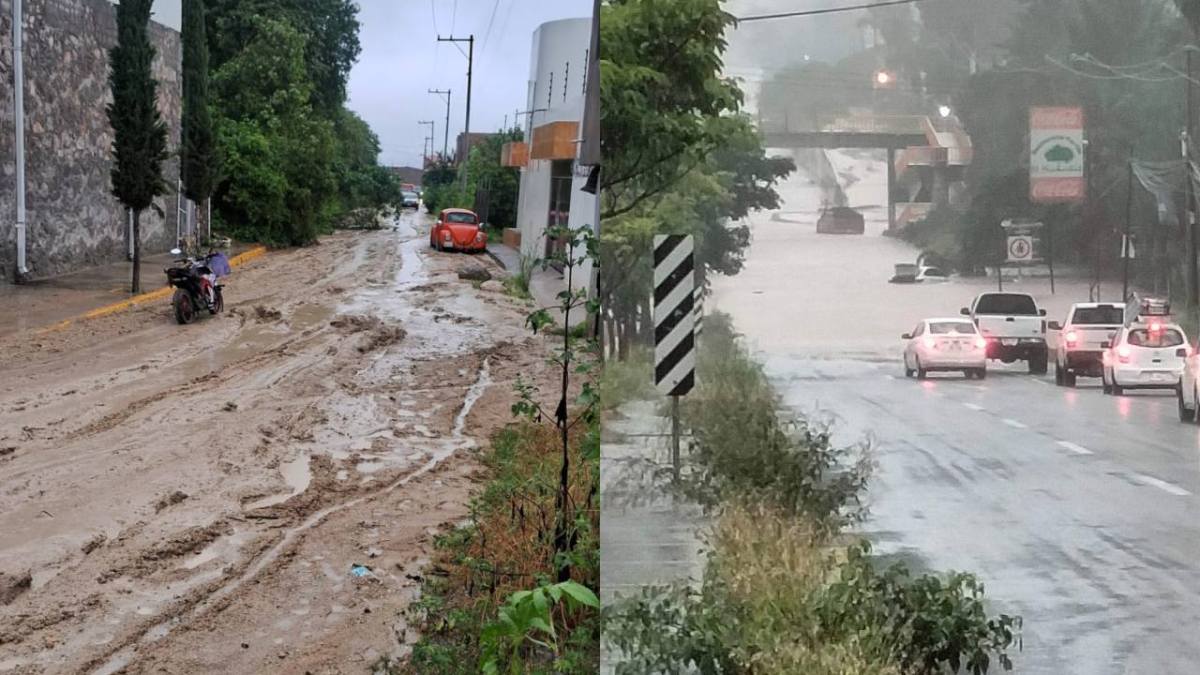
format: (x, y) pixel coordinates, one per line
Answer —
(558, 67)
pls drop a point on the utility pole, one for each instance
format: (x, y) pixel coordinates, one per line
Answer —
(428, 139)
(1189, 207)
(470, 62)
(1126, 240)
(446, 127)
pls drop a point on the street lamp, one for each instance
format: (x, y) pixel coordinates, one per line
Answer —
(944, 111)
(884, 78)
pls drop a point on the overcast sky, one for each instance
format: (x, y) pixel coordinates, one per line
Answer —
(401, 59)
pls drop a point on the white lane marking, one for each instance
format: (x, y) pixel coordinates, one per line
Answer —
(1015, 424)
(891, 377)
(1075, 448)
(972, 406)
(1161, 485)
(1042, 382)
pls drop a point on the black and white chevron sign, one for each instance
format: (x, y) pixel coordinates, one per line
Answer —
(674, 316)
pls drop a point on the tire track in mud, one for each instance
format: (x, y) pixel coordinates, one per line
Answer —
(219, 598)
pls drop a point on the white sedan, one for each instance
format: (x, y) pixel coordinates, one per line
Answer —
(1146, 355)
(937, 345)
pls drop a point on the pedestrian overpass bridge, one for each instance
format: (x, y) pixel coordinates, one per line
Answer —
(924, 154)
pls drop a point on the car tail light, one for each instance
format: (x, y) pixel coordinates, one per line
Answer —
(1155, 327)
(930, 343)
(1072, 338)
(1123, 353)
(980, 343)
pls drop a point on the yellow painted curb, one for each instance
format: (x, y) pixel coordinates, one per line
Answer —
(235, 261)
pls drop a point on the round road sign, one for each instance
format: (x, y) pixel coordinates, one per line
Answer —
(1020, 249)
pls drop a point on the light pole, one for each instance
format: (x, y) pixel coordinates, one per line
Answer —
(19, 120)
(446, 126)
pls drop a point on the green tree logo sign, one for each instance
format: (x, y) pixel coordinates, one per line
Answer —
(1059, 154)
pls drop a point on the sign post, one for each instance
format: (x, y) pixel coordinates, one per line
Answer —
(1056, 155)
(674, 325)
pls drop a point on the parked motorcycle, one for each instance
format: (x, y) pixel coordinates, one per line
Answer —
(193, 278)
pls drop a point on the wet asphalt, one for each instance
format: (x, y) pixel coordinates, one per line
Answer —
(1079, 511)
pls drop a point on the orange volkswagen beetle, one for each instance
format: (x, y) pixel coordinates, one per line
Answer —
(458, 229)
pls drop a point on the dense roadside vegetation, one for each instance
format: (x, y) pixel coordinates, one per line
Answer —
(292, 162)
(788, 586)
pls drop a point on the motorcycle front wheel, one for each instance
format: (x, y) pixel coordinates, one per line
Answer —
(185, 310)
(218, 304)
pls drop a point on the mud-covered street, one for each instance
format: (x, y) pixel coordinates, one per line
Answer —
(183, 499)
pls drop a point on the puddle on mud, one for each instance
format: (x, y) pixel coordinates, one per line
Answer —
(473, 394)
(296, 474)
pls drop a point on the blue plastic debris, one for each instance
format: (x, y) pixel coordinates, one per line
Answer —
(360, 570)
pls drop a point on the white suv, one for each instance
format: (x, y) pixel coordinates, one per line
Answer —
(1081, 339)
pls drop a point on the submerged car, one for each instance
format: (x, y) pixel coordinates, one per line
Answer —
(409, 199)
(906, 273)
(840, 220)
(949, 344)
(458, 229)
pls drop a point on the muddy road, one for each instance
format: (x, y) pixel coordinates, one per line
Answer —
(186, 499)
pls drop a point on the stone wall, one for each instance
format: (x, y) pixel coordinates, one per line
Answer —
(73, 219)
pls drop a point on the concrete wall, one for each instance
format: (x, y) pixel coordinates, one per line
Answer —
(73, 219)
(558, 66)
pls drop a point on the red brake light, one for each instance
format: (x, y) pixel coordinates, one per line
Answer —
(980, 343)
(1155, 327)
(1123, 353)
(1072, 337)
(930, 342)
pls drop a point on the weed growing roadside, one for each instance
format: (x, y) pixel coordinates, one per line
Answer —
(507, 549)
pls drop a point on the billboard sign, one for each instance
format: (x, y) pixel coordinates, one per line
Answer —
(1056, 154)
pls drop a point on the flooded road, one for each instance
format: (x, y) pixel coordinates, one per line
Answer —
(192, 498)
(1080, 512)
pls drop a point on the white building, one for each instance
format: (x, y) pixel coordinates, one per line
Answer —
(551, 180)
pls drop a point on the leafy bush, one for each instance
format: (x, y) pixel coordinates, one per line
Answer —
(780, 595)
(744, 446)
(527, 622)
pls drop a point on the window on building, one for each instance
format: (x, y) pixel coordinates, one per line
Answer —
(560, 202)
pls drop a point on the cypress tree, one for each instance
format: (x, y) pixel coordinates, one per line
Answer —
(197, 152)
(139, 133)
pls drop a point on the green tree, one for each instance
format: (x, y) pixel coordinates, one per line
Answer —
(330, 29)
(678, 156)
(1123, 114)
(502, 183)
(278, 181)
(139, 133)
(197, 150)
(661, 95)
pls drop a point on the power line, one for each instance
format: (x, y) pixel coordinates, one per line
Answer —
(828, 10)
(433, 10)
(488, 32)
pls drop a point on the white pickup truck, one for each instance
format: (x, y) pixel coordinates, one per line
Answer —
(1013, 326)
(1081, 339)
